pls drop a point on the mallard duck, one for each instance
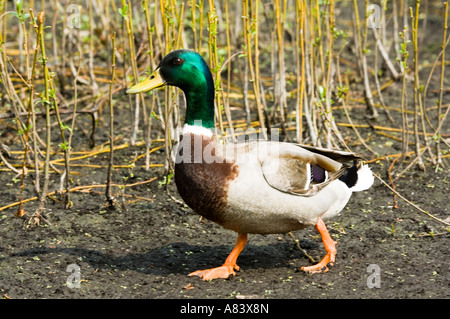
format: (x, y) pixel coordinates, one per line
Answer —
(256, 187)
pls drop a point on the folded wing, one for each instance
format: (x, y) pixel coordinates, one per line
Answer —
(303, 172)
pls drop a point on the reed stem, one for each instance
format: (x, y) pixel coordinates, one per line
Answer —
(108, 192)
(38, 216)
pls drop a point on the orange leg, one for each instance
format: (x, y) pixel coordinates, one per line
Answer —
(330, 247)
(228, 267)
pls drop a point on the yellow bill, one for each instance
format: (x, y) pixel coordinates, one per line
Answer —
(152, 82)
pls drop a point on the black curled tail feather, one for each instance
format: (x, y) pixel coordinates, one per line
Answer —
(350, 176)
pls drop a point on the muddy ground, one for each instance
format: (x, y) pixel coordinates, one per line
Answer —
(148, 250)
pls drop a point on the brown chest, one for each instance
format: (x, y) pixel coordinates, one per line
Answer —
(203, 185)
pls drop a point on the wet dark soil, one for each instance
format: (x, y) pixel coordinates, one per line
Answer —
(147, 250)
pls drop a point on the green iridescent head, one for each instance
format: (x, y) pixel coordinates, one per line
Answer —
(188, 71)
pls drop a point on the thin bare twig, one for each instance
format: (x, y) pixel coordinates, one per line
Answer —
(409, 202)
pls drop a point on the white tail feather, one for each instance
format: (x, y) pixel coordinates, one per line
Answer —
(365, 179)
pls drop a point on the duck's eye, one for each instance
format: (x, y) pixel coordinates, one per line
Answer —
(178, 61)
